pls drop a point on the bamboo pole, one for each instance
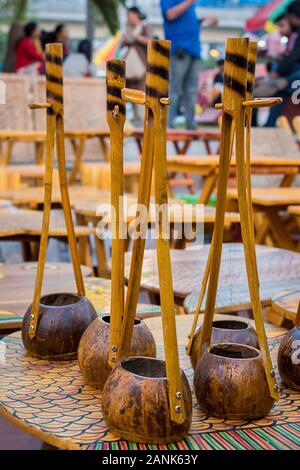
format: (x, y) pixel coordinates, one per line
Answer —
(235, 77)
(63, 182)
(137, 256)
(115, 79)
(54, 106)
(157, 90)
(249, 250)
(45, 223)
(252, 53)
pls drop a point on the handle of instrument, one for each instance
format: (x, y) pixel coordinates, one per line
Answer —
(45, 224)
(157, 87)
(138, 249)
(116, 81)
(235, 76)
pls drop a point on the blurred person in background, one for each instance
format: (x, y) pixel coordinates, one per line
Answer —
(134, 51)
(79, 64)
(218, 83)
(29, 54)
(286, 71)
(183, 28)
(61, 34)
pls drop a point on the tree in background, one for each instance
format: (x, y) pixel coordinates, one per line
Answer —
(109, 11)
(16, 12)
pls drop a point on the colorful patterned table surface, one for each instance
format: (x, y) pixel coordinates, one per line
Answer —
(278, 270)
(50, 400)
(97, 290)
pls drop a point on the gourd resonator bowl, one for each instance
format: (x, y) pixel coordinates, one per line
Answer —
(289, 358)
(93, 349)
(135, 402)
(230, 382)
(226, 331)
(63, 318)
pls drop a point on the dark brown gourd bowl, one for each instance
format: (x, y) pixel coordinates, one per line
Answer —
(94, 348)
(63, 319)
(289, 358)
(226, 331)
(230, 383)
(135, 403)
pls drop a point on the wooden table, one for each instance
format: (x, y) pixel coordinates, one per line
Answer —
(17, 283)
(182, 138)
(208, 167)
(284, 306)
(98, 291)
(278, 270)
(78, 139)
(271, 202)
(15, 136)
(50, 401)
(186, 223)
(26, 226)
(34, 197)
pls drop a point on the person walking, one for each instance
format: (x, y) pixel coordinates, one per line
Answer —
(182, 27)
(134, 51)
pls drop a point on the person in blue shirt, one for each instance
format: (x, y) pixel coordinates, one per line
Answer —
(182, 27)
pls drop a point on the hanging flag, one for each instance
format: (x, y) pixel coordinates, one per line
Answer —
(109, 50)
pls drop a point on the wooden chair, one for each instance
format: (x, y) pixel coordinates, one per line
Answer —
(283, 123)
(85, 112)
(15, 117)
(98, 175)
(9, 179)
(296, 126)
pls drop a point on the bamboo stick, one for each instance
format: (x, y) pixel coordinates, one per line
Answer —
(45, 223)
(63, 182)
(115, 79)
(54, 106)
(252, 52)
(249, 249)
(137, 256)
(157, 88)
(237, 50)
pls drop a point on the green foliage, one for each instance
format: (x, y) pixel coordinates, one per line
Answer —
(13, 10)
(109, 11)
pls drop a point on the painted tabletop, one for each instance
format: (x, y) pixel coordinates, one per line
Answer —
(51, 401)
(98, 291)
(29, 222)
(286, 304)
(17, 284)
(278, 270)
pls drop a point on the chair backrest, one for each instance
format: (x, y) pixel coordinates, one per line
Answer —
(273, 142)
(15, 115)
(296, 126)
(9, 179)
(283, 123)
(85, 109)
(96, 175)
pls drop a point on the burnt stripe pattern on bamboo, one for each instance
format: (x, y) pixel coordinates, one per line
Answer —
(54, 76)
(235, 85)
(115, 82)
(157, 81)
(236, 59)
(235, 73)
(251, 69)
